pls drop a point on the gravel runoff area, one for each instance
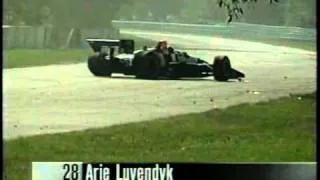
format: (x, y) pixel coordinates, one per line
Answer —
(61, 98)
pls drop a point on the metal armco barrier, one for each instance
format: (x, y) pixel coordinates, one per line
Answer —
(221, 29)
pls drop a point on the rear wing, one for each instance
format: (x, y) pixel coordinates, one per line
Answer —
(124, 45)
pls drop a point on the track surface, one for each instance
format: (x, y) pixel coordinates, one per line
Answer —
(62, 98)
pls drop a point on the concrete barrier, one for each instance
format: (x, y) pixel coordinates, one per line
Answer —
(232, 30)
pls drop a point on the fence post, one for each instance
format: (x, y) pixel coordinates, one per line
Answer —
(25, 34)
(5, 37)
(35, 32)
(44, 37)
(14, 41)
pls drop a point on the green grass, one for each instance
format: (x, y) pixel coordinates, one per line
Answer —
(279, 130)
(301, 44)
(17, 58)
(306, 45)
(38, 57)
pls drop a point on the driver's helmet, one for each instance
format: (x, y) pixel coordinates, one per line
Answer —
(162, 45)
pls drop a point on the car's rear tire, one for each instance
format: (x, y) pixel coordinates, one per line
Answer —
(221, 68)
(98, 66)
(148, 67)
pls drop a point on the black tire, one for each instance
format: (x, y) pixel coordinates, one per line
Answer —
(140, 66)
(148, 67)
(155, 67)
(221, 68)
(98, 66)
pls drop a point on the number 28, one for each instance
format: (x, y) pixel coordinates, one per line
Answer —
(71, 171)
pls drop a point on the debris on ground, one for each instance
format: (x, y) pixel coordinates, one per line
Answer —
(253, 92)
(243, 80)
(256, 92)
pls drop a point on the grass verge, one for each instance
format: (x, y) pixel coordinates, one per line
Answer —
(294, 43)
(279, 130)
(17, 58)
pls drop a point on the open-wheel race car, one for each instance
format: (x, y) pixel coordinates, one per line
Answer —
(119, 56)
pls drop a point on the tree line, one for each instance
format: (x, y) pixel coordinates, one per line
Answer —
(99, 13)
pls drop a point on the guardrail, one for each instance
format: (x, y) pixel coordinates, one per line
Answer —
(222, 29)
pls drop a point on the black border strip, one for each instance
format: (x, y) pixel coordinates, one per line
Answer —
(225, 171)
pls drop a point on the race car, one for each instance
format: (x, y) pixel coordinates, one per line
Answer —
(119, 56)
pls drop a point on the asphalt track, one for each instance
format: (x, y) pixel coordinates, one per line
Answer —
(61, 98)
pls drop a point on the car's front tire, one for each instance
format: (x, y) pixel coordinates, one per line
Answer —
(221, 68)
(98, 66)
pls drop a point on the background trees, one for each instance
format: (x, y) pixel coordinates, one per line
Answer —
(99, 13)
